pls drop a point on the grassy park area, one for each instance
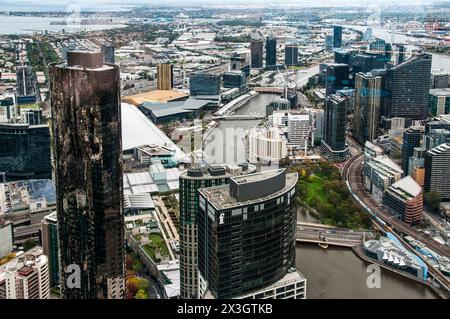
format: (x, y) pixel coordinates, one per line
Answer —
(157, 244)
(321, 188)
(32, 106)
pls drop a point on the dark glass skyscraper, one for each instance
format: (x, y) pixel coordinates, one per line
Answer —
(401, 51)
(337, 77)
(291, 54)
(190, 181)
(337, 36)
(85, 99)
(256, 50)
(333, 145)
(366, 107)
(406, 89)
(412, 138)
(25, 151)
(26, 90)
(437, 171)
(366, 62)
(201, 83)
(271, 51)
(234, 79)
(247, 233)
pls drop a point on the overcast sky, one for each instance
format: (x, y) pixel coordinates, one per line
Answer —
(216, 2)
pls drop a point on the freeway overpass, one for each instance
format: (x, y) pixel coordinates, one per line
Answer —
(238, 117)
(323, 234)
(269, 89)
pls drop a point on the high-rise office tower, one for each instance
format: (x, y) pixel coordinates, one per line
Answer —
(190, 182)
(436, 137)
(246, 238)
(271, 51)
(164, 76)
(412, 138)
(328, 42)
(85, 99)
(388, 52)
(291, 54)
(401, 51)
(366, 62)
(437, 171)
(108, 53)
(49, 235)
(234, 79)
(256, 50)
(337, 36)
(337, 77)
(406, 89)
(343, 56)
(367, 107)
(333, 145)
(26, 90)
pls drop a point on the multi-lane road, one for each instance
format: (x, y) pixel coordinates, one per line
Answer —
(353, 176)
(352, 173)
(322, 234)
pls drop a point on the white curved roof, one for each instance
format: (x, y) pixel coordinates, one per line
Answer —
(138, 130)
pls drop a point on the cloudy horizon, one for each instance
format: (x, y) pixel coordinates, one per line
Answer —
(31, 5)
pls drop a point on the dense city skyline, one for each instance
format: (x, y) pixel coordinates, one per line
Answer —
(233, 150)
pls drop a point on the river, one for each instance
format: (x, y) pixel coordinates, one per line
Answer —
(338, 273)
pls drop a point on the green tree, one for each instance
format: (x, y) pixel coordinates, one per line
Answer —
(29, 244)
(143, 284)
(141, 294)
(138, 266)
(433, 199)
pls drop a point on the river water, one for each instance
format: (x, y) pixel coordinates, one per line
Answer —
(339, 273)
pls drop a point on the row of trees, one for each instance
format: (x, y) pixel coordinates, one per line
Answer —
(136, 286)
(433, 200)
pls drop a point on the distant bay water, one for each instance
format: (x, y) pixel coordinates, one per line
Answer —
(28, 25)
(439, 61)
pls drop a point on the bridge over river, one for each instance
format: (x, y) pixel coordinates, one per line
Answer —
(327, 235)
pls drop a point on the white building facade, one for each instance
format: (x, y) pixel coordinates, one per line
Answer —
(266, 145)
(26, 277)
